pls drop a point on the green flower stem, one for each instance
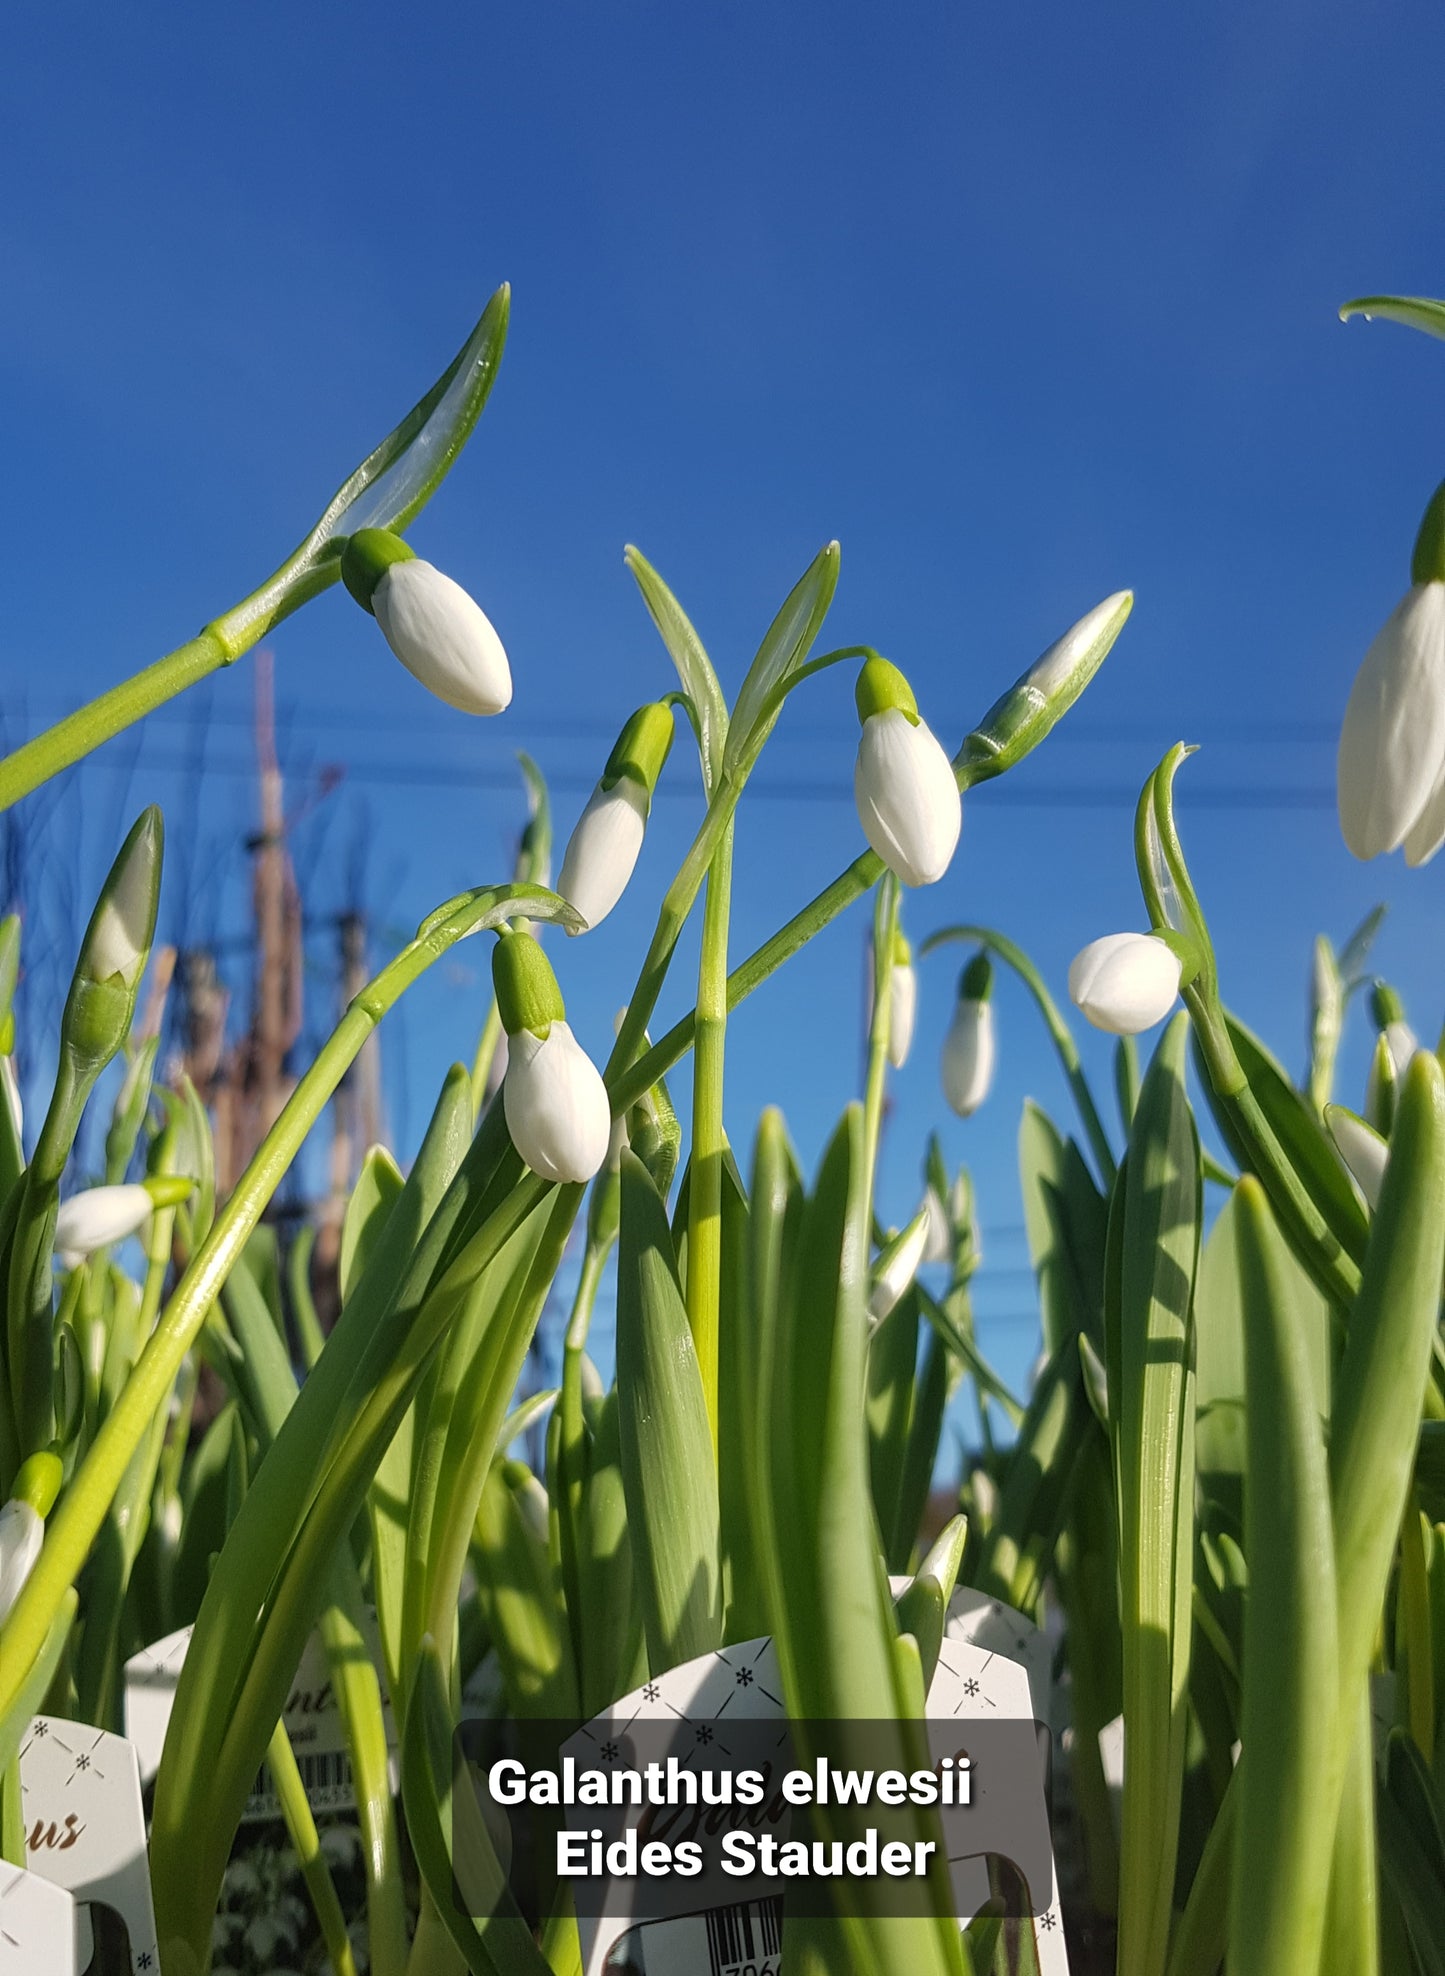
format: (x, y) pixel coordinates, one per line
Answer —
(83, 1508)
(485, 1057)
(296, 1811)
(75, 736)
(1060, 1033)
(628, 1085)
(885, 930)
(709, 1141)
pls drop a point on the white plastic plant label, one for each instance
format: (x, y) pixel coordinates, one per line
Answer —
(85, 1824)
(724, 1701)
(998, 1629)
(312, 1717)
(38, 1926)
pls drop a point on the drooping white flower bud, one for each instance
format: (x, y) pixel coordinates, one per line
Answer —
(555, 1102)
(603, 848)
(903, 782)
(939, 1246)
(1391, 765)
(902, 1001)
(967, 1061)
(897, 1265)
(1361, 1148)
(22, 1525)
(99, 1216)
(441, 635)
(1125, 982)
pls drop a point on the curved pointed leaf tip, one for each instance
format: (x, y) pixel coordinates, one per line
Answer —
(1414, 311)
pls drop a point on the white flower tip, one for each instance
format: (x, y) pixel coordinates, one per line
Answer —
(1361, 1148)
(907, 797)
(556, 1105)
(898, 1265)
(603, 849)
(97, 1217)
(22, 1533)
(443, 637)
(1125, 982)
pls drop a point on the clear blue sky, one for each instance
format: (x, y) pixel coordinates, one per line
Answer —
(1024, 305)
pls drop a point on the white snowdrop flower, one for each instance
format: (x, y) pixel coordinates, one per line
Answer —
(22, 1532)
(556, 1105)
(602, 850)
(897, 1265)
(903, 782)
(969, 1048)
(902, 1001)
(441, 635)
(939, 1246)
(1361, 1148)
(97, 1217)
(553, 1097)
(1391, 766)
(1125, 982)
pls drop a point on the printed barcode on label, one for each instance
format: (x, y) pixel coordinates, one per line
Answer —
(325, 1777)
(743, 1938)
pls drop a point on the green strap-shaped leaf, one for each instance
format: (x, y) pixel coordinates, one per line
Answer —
(666, 1442)
(521, 1598)
(1151, 1409)
(614, 1652)
(694, 667)
(1066, 1219)
(1286, 1825)
(378, 1187)
(1414, 311)
(782, 651)
(454, 1849)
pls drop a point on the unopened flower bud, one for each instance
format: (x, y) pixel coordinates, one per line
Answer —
(902, 1001)
(118, 939)
(969, 1048)
(22, 1525)
(903, 782)
(1395, 1045)
(603, 849)
(441, 635)
(99, 1216)
(1361, 1148)
(1016, 723)
(555, 1103)
(1391, 766)
(1125, 982)
(897, 1266)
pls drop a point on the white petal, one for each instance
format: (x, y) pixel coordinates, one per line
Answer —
(898, 1265)
(99, 1216)
(939, 1247)
(908, 801)
(1401, 1043)
(1125, 982)
(902, 1009)
(556, 1105)
(22, 1532)
(966, 1065)
(443, 637)
(602, 850)
(1392, 742)
(1361, 1148)
(122, 930)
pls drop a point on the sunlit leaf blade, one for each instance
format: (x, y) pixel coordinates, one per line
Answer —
(453, 1847)
(1291, 1663)
(1414, 311)
(667, 1458)
(783, 649)
(372, 1199)
(32, 1692)
(395, 480)
(694, 668)
(1151, 1388)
